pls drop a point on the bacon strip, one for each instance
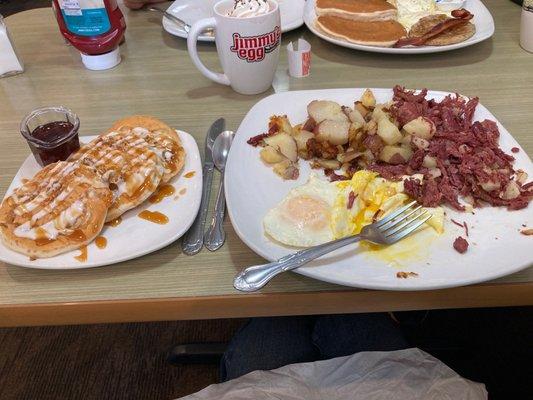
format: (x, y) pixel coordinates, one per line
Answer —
(461, 17)
(256, 140)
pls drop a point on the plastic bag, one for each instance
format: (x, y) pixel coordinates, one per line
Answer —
(405, 374)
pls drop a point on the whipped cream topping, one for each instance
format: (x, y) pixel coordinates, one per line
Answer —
(249, 8)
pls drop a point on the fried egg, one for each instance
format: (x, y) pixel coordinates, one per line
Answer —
(303, 218)
(320, 211)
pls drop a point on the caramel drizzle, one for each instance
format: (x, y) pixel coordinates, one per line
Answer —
(45, 198)
(154, 216)
(82, 257)
(162, 192)
(100, 242)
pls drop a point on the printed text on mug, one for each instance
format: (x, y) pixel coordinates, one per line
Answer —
(254, 48)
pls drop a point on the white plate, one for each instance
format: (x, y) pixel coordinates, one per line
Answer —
(191, 11)
(482, 20)
(252, 189)
(133, 237)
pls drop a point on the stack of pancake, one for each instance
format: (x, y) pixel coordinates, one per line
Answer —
(65, 205)
(366, 22)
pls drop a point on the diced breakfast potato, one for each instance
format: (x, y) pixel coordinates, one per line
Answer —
(489, 185)
(354, 115)
(419, 143)
(521, 176)
(321, 110)
(429, 161)
(334, 132)
(361, 108)
(388, 132)
(420, 127)
(512, 191)
(379, 114)
(329, 164)
(285, 144)
(280, 124)
(301, 139)
(368, 99)
(371, 127)
(395, 154)
(270, 155)
(286, 169)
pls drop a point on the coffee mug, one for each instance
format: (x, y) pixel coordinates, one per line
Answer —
(248, 48)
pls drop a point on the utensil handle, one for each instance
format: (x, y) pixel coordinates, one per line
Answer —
(170, 16)
(192, 39)
(254, 278)
(215, 236)
(194, 238)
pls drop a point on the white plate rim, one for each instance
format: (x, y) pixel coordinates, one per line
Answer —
(169, 26)
(310, 16)
(401, 285)
(193, 154)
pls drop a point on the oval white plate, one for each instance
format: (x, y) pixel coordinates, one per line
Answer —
(194, 10)
(252, 189)
(133, 237)
(482, 20)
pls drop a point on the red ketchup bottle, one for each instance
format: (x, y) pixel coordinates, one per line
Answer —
(94, 27)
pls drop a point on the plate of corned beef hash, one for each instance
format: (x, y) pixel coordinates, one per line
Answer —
(308, 167)
(400, 26)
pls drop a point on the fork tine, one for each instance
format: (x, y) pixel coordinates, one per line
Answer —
(399, 219)
(393, 215)
(400, 235)
(390, 230)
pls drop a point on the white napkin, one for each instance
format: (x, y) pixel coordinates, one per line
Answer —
(9, 62)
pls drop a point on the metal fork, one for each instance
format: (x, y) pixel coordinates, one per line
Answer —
(399, 224)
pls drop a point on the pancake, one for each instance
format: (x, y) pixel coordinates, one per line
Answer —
(163, 139)
(60, 209)
(357, 10)
(127, 164)
(453, 35)
(373, 33)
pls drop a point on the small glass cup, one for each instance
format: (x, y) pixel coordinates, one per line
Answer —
(52, 133)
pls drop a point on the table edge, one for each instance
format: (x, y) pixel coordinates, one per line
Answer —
(263, 304)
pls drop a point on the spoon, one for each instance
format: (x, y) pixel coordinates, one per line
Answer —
(186, 27)
(215, 236)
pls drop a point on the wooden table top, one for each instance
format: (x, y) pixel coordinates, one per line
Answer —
(156, 77)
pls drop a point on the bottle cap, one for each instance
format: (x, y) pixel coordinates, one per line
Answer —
(101, 61)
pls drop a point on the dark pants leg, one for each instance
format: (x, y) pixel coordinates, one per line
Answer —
(346, 334)
(268, 343)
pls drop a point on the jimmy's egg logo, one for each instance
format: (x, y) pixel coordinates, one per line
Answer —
(254, 48)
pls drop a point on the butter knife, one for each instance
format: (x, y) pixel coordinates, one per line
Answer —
(193, 240)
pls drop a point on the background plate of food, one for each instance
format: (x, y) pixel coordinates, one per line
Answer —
(194, 10)
(166, 214)
(399, 26)
(302, 171)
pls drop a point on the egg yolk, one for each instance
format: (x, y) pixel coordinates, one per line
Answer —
(307, 212)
